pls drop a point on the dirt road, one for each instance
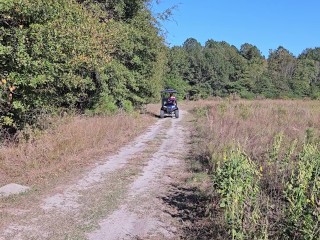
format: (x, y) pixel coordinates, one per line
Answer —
(119, 198)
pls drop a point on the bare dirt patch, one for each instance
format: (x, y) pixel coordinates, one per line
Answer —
(11, 189)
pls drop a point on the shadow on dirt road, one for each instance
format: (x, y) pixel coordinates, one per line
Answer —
(190, 207)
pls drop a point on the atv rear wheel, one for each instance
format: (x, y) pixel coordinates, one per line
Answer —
(161, 114)
(176, 113)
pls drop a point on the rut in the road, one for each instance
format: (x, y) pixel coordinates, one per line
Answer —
(123, 190)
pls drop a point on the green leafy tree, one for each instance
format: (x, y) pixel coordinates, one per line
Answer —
(305, 74)
(313, 55)
(197, 74)
(56, 49)
(228, 68)
(251, 52)
(177, 68)
(281, 67)
(256, 66)
(141, 51)
(68, 54)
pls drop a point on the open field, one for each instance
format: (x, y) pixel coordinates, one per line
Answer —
(264, 161)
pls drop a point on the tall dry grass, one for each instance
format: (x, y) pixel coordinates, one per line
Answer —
(254, 124)
(271, 133)
(73, 143)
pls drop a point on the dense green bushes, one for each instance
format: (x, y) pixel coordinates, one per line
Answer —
(56, 49)
(81, 55)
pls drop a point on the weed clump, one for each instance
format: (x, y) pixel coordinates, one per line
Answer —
(237, 182)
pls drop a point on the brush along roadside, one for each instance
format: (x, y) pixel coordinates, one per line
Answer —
(67, 148)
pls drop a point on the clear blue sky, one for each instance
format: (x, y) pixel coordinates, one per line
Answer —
(267, 24)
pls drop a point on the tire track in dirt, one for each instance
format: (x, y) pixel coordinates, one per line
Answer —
(68, 199)
(139, 214)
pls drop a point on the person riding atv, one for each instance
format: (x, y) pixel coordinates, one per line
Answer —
(172, 99)
(169, 106)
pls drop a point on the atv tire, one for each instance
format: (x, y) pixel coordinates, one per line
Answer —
(161, 114)
(176, 113)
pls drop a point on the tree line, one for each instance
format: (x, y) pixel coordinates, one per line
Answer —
(96, 56)
(220, 69)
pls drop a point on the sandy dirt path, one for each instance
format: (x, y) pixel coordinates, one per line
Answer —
(119, 198)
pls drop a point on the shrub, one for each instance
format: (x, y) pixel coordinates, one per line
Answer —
(303, 195)
(105, 105)
(237, 182)
(127, 106)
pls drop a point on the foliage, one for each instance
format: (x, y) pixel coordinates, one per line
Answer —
(76, 55)
(220, 69)
(140, 51)
(237, 182)
(176, 66)
(302, 193)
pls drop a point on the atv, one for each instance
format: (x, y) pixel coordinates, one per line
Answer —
(169, 105)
